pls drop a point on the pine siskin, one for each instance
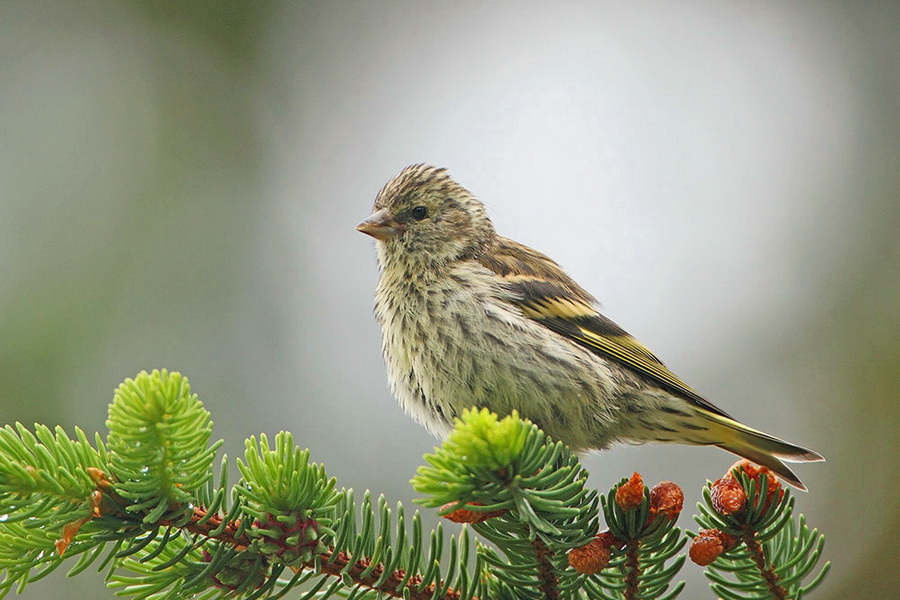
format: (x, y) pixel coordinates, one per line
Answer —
(470, 318)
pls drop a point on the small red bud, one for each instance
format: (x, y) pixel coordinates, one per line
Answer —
(464, 515)
(630, 494)
(728, 497)
(590, 558)
(709, 545)
(69, 531)
(774, 490)
(666, 498)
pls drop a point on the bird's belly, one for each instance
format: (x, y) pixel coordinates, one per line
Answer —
(462, 350)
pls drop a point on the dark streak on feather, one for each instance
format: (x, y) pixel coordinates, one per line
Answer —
(689, 425)
(674, 411)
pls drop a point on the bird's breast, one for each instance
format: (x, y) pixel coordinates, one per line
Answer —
(455, 341)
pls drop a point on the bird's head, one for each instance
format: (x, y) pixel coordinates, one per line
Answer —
(423, 217)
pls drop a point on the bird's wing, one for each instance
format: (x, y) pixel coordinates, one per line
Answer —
(544, 293)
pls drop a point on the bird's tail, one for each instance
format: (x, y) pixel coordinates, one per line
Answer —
(758, 447)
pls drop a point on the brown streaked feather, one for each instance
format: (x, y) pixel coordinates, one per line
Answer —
(547, 295)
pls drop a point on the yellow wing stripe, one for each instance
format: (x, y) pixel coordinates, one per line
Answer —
(550, 308)
(632, 353)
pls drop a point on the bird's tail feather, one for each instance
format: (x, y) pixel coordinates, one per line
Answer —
(759, 447)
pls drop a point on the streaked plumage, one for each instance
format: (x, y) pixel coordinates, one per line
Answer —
(470, 318)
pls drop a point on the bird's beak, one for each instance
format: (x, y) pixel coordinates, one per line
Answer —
(381, 226)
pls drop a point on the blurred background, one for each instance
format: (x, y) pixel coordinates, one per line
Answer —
(180, 181)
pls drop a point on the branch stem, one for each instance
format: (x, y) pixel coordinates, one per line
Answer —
(549, 583)
(632, 570)
(767, 572)
(334, 568)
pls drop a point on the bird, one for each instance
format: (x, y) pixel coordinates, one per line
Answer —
(473, 319)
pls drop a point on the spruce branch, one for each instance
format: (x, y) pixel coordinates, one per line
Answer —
(749, 532)
(535, 487)
(159, 451)
(641, 541)
(147, 506)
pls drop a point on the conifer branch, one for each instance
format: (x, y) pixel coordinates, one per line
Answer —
(759, 559)
(213, 527)
(397, 585)
(146, 505)
(641, 539)
(747, 516)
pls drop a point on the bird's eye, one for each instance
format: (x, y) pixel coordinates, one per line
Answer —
(418, 213)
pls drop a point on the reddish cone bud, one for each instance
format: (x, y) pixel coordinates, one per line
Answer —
(774, 490)
(96, 475)
(666, 498)
(709, 545)
(728, 497)
(631, 493)
(69, 531)
(464, 515)
(590, 558)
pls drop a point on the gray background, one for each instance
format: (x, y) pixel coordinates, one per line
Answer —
(179, 186)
